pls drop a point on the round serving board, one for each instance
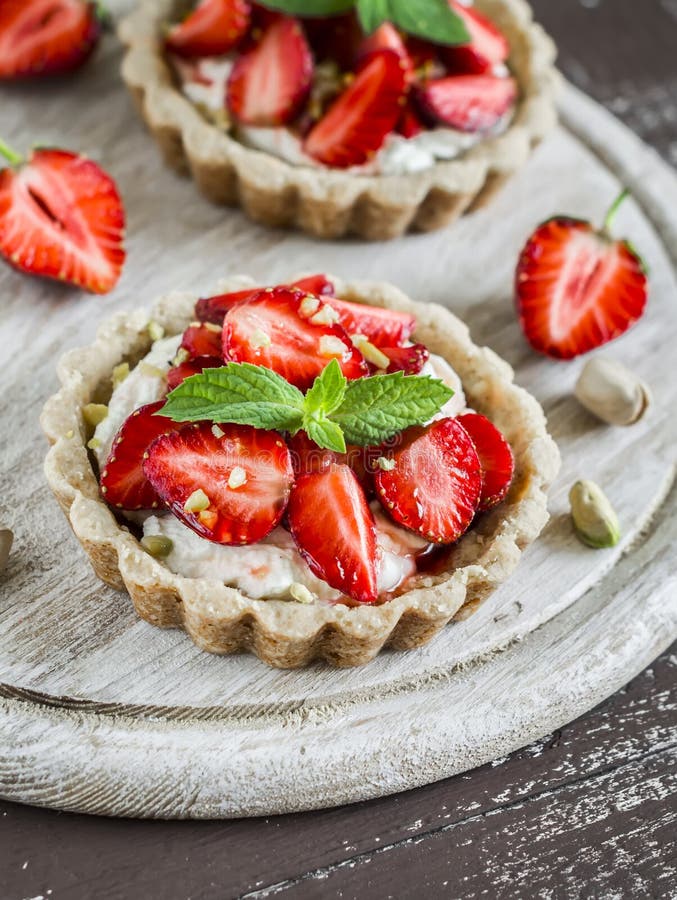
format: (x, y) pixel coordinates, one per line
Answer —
(100, 712)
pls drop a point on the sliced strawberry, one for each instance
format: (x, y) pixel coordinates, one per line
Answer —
(383, 327)
(244, 474)
(214, 309)
(467, 102)
(177, 374)
(409, 360)
(358, 122)
(488, 46)
(386, 37)
(284, 330)
(203, 339)
(577, 288)
(319, 285)
(496, 458)
(410, 123)
(212, 29)
(434, 487)
(123, 483)
(333, 527)
(269, 84)
(307, 457)
(62, 217)
(39, 38)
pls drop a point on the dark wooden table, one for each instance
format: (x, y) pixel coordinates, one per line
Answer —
(590, 811)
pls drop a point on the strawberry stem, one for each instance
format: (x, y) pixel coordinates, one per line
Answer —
(611, 215)
(13, 158)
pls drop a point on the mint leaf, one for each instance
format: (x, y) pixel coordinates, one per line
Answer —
(328, 390)
(240, 393)
(326, 434)
(310, 7)
(377, 408)
(433, 20)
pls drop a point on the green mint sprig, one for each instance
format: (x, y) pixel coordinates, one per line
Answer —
(433, 20)
(333, 412)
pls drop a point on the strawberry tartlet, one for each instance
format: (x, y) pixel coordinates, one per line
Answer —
(310, 470)
(329, 125)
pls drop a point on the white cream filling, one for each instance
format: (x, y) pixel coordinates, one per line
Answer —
(398, 155)
(272, 567)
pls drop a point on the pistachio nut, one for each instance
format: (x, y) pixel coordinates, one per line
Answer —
(157, 545)
(611, 392)
(595, 520)
(6, 540)
(94, 413)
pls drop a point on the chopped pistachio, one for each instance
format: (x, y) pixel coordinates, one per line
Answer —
(157, 545)
(309, 306)
(327, 315)
(155, 331)
(197, 501)
(217, 432)
(212, 326)
(237, 477)
(151, 371)
(120, 372)
(259, 339)
(182, 356)
(370, 351)
(207, 517)
(94, 443)
(332, 346)
(385, 464)
(94, 413)
(595, 520)
(300, 593)
(70, 433)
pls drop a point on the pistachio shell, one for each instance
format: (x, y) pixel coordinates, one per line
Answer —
(611, 392)
(595, 520)
(157, 545)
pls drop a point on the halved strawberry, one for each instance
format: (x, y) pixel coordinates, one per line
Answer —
(123, 483)
(177, 374)
(577, 288)
(46, 37)
(307, 457)
(61, 217)
(383, 327)
(386, 37)
(290, 332)
(213, 28)
(214, 309)
(202, 339)
(467, 102)
(269, 84)
(488, 46)
(229, 483)
(409, 360)
(410, 123)
(358, 122)
(496, 458)
(434, 487)
(334, 530)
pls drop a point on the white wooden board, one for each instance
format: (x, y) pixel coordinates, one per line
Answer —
(103, 713)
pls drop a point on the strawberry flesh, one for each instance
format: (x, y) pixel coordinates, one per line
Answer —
(270, 83)
(178, 374)
(307, 457)
(472, 103)
(202, 339)
(123, 482)
(334, 530)
(386, 37)
(212, 29)
(275, 328)
(383, 327)
(496, 458)
(214, 309)
(61, 217)
(358, 122)
(39, 38)
(576, 288)
(434, 487)
(488, 47)
(409, 360)
(202, 458)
